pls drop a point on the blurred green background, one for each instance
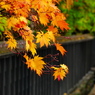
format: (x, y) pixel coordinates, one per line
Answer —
(81, 17)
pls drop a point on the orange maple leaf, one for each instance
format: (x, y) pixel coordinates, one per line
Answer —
(53, 29)
(60, 48)
(63, 25)
(36, 64)
(60, 73)
(59, 20)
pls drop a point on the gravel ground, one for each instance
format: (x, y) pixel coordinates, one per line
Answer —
(92, 92)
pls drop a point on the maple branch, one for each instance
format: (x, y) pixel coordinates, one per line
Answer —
(40, 15)
(54, 58)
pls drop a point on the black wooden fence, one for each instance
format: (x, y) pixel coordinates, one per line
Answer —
(16, 79)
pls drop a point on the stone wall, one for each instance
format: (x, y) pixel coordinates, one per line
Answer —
(84, 86)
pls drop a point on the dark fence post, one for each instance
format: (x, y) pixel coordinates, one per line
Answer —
(93, 53)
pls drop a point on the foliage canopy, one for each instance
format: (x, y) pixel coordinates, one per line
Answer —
(36, 22)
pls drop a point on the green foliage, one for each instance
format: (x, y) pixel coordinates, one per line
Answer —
(81, 17)
(3, 24)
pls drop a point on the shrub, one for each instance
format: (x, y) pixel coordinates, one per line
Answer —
(81, 17)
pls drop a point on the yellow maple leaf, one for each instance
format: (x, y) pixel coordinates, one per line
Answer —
(51, 36)
(36, 63)
(43, 18)
(11, 43)
(60, 73)
(64, 67)
(45, 38)
(40, 5)
(22, 18)
(60, 48)
(12, 21)
(31, 46)
(27, 46)
(5, 6)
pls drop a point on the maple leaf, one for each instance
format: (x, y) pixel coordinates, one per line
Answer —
(53, 29)
(19, 25)
(51, 36)
(26, 57)
(40, 4)
(27, 46)
(16, 22)
(5, 6)
(20, 22)
(36, 63)
(59, 20)
(12, 21)
(45, 12)
(11, 43)
(19, 8)
(60, 73)
(64, 67)
(45, 38)
(26, 33)
(43, 18)
(60, 48)
(31, 46)
(63, 25)
(22, 18)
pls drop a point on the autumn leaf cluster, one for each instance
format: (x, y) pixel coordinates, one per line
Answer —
(26, 18)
